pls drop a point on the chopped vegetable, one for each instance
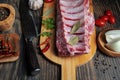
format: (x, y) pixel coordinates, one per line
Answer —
(115, 45)
(112, 35)
(46, 41)
(46, 34)
(113, 40)
(49, 23)
(46, 47)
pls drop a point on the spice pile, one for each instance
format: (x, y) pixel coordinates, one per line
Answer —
(4, 13)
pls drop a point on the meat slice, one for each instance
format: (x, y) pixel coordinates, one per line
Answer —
(72, 16)
(69, 22)
(82, 37)
(90, 22)
(70, 12)
(60, 40)
(70, 3)
(79, 48)
(68, 29)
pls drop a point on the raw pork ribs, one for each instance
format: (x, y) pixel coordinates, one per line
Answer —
(75, 24)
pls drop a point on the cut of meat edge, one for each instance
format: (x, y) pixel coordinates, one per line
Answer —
(70, 3)
(63, 47)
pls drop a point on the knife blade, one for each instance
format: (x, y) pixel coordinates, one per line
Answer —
(29, 29)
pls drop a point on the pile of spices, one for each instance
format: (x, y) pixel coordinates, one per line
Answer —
(4, 13)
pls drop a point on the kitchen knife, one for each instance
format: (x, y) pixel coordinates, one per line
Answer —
(29, 29)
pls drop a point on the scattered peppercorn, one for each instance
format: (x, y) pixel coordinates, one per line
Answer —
(103, 66)
(109, 65)
(114, 77)
(115, 67)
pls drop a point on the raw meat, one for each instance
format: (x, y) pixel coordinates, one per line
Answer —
(69, 12)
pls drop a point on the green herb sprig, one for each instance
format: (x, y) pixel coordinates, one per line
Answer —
(48, 34)
(49, 23)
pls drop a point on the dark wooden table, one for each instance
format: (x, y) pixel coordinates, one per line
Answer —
(101, 67)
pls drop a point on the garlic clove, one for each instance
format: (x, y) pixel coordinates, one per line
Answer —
(112, 35)
(35, 4)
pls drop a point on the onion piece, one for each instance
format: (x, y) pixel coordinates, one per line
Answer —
(112, 35)
(114, 45)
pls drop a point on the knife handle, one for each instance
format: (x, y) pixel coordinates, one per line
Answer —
(32, 62)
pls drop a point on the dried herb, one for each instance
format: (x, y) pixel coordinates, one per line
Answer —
(74, 40)
(75, 27)
(48, 11)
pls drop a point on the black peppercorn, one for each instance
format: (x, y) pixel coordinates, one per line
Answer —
(4, 13)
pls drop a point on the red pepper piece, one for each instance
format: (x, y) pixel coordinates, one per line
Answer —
(46, 47)
(46, 41)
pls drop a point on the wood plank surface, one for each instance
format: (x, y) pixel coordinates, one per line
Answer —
(101, 67)
(68, 64)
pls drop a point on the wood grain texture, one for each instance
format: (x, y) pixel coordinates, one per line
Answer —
(101, 67)
(68, 64)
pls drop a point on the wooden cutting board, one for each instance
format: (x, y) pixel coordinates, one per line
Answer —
(68, 64)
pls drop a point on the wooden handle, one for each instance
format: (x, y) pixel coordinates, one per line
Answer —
(68, 71)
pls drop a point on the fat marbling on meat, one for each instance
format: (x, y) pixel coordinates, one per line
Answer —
(69, 12)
